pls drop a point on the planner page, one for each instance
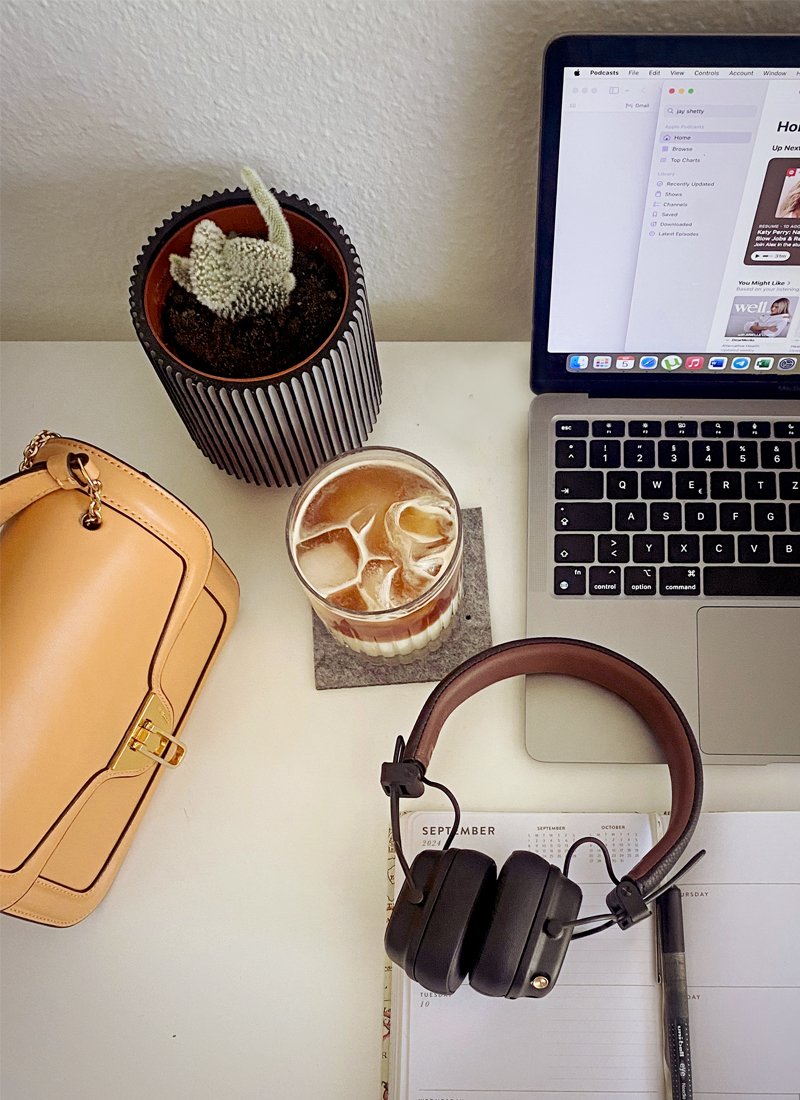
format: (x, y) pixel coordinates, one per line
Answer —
(741, 913)
(596, 1034)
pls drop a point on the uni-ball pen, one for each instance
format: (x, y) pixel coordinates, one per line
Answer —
(675, 997)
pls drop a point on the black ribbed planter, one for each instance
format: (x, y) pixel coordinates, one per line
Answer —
(273, 430)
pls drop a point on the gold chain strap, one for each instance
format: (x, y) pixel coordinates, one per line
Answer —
(92, 517)
(33, 448)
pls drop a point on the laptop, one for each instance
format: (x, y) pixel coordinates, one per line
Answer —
(664, 437)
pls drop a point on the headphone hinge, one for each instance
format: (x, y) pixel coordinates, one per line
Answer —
(627, 905)
(403, 778)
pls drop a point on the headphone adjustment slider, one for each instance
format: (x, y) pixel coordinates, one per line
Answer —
(403, 778)
(627, 905)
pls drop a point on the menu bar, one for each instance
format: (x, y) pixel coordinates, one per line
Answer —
(668, 73)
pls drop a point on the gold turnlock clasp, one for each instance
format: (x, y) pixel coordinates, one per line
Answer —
(150, 735)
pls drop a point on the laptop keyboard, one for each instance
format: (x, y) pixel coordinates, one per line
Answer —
(665, 507)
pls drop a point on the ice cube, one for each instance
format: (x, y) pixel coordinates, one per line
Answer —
(375, 583)
(362, 520)
(329, 561)
(349, 599)
(425, 522)
(408, 584)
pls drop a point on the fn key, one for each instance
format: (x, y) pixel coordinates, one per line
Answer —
(570, 580)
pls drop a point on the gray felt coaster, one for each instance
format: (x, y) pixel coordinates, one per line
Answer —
(337, 667)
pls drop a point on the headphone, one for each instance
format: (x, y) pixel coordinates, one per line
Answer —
(455, 916)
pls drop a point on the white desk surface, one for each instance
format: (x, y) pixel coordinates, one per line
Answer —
(239, 954)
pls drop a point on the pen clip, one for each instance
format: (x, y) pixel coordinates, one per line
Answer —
(659, 951)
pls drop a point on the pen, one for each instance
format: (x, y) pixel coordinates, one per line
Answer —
(675, 998)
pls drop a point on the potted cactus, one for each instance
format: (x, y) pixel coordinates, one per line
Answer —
(253, 311)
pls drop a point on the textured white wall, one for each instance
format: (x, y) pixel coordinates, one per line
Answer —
(413, 122)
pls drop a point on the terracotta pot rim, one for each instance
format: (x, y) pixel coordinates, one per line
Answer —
(207, 206)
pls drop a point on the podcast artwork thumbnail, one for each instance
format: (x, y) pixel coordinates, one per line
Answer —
(764, 315)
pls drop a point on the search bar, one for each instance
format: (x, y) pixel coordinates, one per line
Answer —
(715, 110)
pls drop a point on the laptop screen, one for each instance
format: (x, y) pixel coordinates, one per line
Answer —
(668, 247)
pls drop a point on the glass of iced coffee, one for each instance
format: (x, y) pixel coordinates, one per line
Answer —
(375, 539)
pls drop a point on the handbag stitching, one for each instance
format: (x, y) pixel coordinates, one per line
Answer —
(39, 495)
(29, 913)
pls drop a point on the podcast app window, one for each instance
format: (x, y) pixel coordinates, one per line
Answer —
(775, 235)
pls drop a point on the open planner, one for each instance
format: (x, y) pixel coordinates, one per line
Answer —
(598, 1033)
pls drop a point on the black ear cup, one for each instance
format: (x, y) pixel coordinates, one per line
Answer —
(516, 903)
(526, 940)
(437, 941)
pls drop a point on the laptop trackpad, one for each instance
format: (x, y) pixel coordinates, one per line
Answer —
(749, 680)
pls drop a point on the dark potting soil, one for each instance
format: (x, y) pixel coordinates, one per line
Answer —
(256, 346)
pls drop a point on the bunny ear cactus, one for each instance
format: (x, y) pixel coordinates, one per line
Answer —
(240, 276)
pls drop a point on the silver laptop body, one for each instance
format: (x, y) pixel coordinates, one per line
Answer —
(664, 489)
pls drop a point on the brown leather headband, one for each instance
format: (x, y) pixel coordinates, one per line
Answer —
(585, 661)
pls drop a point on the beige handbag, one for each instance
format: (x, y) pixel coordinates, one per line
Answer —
(114, 607)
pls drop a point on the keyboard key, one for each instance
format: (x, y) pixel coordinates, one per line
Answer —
(734, 517)
(700, 517)
(716, 429)
(753, 429)
(769, 517)
(786, 549)
(706, 455)
(673, 456)
(718, 549)
(630, 517)
(679, 582)
(657, 486)
(648, 548)
(572, 427)
(570, 581)
(608, 427)
(622, 485)
(639, 453)
(759, 486)
(691, 486)
(640, 582)
(787, 429)
(753, 549)
(752, 581)
(777, 454)
(794, 517)
(686, 428)
(569, 454)
(726, 486)
(583, 517)
(579, 485)
(666, 517)
(740, 455)
(790, 486)
(574, 548)
(683, 548)
(605, 580)
(641, 428)
(613, 548)
(604, 453)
